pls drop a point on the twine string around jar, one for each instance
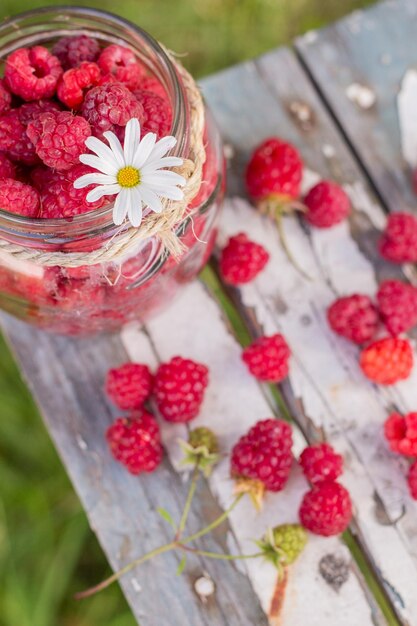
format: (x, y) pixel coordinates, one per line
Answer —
(162, 225)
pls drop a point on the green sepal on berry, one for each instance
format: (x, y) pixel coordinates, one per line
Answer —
(283, 544)
(201, 450)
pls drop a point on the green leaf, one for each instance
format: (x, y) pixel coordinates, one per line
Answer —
(181, 565)
(166, 516)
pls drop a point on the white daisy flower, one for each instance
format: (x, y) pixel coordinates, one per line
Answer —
(134, 173)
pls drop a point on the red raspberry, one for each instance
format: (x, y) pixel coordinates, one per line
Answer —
(242, 260)
(320, 463)
(110, 107)
(19, 198)
(267, 358)
(74, 50)
(275, 170)
(179, 389)
(264, 454)
(327, 204)
(326, 509)
(387, 360)
(401, 433)
(14, 140)
(129, 385)
(75, 82)
(58, 195)
(157, 113)
(59, 138)
(31, 110)
(399, 239)
(412, 480)
(32, 73)
(5, 97)
(397, 302)
(122, 64)
(7, 169)
(135, 441)
(354, 318)
(150, 83)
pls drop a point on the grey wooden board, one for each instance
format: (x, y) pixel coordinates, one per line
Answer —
(270, 88)
(66, 378)
(373, 48)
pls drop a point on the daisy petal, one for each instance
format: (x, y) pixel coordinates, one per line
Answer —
(171, 193)
(102, 151)
(143, 150)
(132, 140)
(159, 163)
(98, 164)
(115, 148)
(150, 198)
(94, 179)
(120, 207)
(163, 177)
(162, 147)
(135, 208)
(104, 190)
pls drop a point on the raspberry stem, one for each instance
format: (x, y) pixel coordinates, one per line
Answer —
(220, 556)
(283, 240)
(187, 506)
(170, 546)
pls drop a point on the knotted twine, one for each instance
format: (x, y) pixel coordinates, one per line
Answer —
(162, 225)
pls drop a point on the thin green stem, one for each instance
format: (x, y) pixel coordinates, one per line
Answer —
(106, 583)
(222, 557)
(215, 523)
(283, 240)
(188, 501)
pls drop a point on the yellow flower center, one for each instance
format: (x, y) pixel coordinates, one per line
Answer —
(128, 176)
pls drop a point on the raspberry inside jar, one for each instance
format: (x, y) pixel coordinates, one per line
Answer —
(72, 74)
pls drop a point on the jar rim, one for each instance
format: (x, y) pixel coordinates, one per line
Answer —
(20, 225)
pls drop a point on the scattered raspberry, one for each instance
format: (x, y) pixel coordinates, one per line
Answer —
(157, 113)
(150, 83)
(242, 260)
(72, 51)
(327, 204)
(320, 462)
(397, 302)
(14, 140)
(267, 358)
(5, 97)
(285, 545)
(110, 107)
(129, 385)
(74, 83)
(387, 360)
(122, 64)
(179, 389)
(59, 197)
(19, 198)
(135, 441)
(401, 433)
(399, 240)
(59, 138)
(412, 480)
(32, 73)
(275, 170)
(354, 318)
(326, 509)
(264, 454)
(7, 169)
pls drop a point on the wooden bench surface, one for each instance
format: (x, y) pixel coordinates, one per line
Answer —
(299, 95)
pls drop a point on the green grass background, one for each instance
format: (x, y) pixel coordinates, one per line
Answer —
(47, 551)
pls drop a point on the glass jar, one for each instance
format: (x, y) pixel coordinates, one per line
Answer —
(104, 296)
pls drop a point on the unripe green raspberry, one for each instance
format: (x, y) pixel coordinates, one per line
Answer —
(203, 437)
(291, 540)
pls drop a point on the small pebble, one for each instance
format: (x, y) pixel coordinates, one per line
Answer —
(204, 587)
(361, 95)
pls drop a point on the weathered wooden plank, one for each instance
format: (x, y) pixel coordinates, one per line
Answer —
(372, 49)
(66, 378)
(233, 403)
(326, 390)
